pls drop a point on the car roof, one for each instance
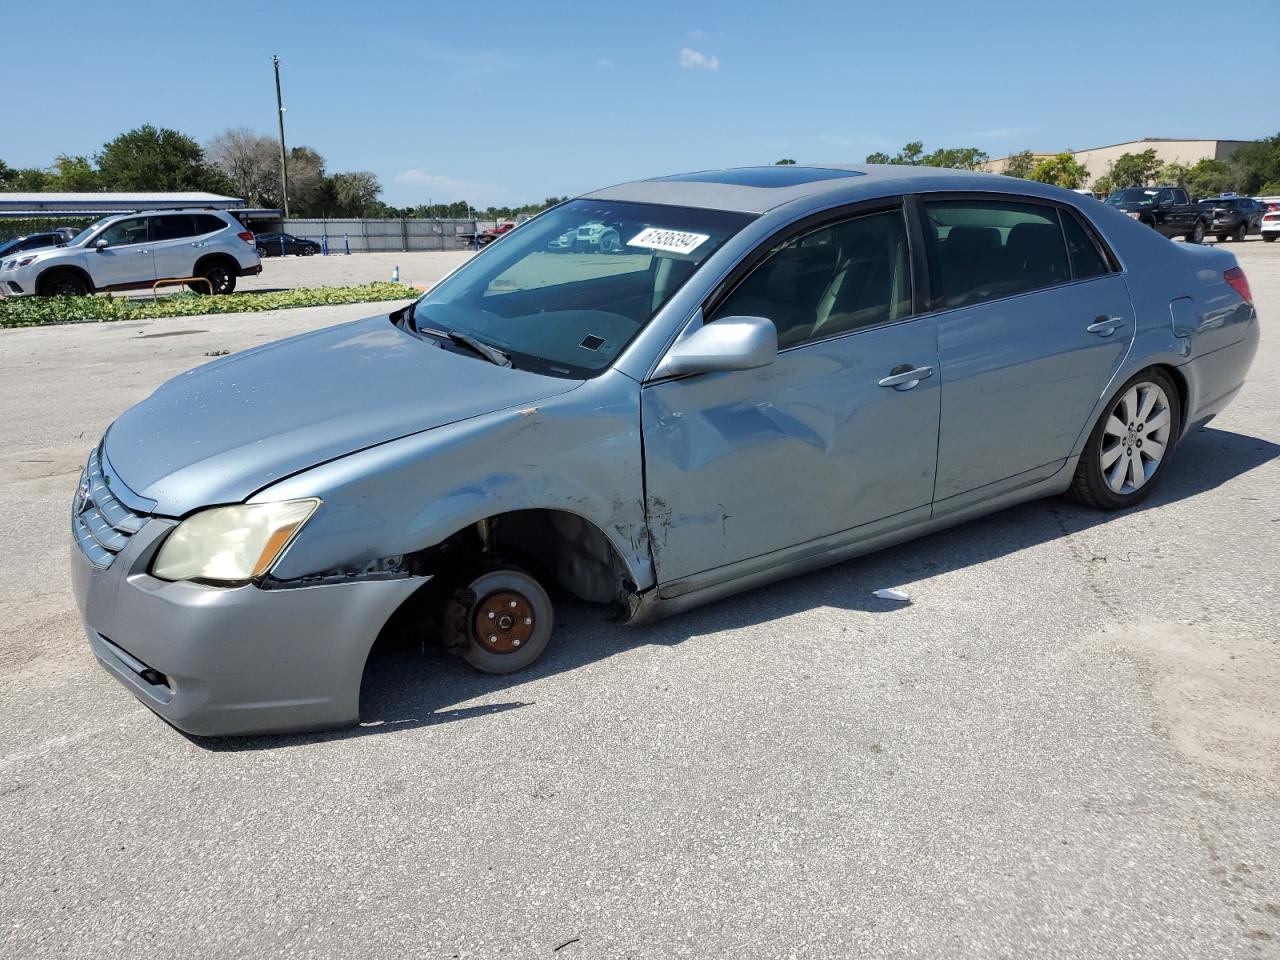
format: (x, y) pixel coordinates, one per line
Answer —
(759, 189)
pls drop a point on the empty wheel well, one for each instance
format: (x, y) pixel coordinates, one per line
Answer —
(556, 546)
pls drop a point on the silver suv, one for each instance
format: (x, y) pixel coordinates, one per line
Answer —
(133, 250)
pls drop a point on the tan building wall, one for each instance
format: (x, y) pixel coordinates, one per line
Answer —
(1099, 159)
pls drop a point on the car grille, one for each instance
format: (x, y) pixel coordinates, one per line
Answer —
(100, 522)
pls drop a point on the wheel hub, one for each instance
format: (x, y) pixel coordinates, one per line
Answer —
(503, 622)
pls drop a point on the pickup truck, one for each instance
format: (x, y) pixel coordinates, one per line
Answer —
(485, 237)
(1166, 209)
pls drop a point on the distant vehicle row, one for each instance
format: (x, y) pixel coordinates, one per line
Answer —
(1170, 211)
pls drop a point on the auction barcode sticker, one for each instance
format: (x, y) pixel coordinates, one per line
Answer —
(672, 241)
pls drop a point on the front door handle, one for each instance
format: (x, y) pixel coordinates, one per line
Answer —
(904, 376)
(1105, 326)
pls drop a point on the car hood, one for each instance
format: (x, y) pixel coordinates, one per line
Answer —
(223, 431)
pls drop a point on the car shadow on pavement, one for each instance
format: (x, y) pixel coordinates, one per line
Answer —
(409, 684)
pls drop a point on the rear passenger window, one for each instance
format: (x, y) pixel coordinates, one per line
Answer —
(829, 281)
(171, 226)
(987, 249)
(207, 224)
(1086, 259)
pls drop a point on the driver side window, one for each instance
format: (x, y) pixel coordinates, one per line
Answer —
(832, 280)
(133, 230)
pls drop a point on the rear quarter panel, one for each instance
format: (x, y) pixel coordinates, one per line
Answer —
(1210, 319)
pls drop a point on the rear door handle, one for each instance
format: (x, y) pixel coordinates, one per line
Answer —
(904, 376)
(1105, 326)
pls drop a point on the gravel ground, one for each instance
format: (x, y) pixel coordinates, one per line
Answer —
(1067, 745)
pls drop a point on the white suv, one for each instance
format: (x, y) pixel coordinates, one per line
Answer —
(134, 250)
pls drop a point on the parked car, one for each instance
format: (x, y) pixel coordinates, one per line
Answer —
(1233, 217)
(31, 241)
(1271, 225)
(594, 237)
(283, 244)
(1168, 210)
(789, 367)
(133, 250)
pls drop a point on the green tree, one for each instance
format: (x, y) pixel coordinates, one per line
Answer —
(1104, 185)
(1269, 189)
(74, 175)
(1134, 169)
(1256, 163)
(1020, 164)
(151, 158)
(1207, 178)
(1174, 173)
(30, 180)
(960, 158)
(352, 194)
(7, 173)
(783, 163)
(955, 158)
(1062, 170)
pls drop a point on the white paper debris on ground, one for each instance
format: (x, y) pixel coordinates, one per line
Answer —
(890, 594)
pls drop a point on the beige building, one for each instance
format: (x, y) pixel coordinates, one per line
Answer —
(1099, 159)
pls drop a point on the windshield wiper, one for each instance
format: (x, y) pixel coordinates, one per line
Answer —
(478, 347)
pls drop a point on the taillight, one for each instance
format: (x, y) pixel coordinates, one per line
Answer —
(1239, 283)
(246, 236)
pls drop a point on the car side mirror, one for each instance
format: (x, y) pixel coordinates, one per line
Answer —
(101, 244)
(731, 343)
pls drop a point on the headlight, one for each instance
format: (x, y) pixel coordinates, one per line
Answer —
(24, 261)
(231, 544)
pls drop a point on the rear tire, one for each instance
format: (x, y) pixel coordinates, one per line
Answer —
(1115, 471)
(222, 279)
(1197, 233)
(1269, 237)
(63, 283)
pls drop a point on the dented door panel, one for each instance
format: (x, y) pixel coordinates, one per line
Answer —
(744, 463)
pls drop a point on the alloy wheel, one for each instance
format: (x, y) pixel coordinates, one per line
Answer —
(1135, 437)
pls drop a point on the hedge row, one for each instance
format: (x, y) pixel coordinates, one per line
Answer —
(39, 311)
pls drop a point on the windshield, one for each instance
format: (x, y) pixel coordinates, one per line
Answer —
(1136, 197)
(83, 235)
(565, 292)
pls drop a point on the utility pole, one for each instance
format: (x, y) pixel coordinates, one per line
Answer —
(284, 163)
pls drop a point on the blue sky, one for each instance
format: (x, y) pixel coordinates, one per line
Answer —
(499, 102)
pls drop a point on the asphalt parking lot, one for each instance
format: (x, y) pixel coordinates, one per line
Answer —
(420, 268)
(1066, 745)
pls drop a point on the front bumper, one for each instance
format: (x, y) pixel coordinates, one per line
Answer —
(20, 282)
(215, 661)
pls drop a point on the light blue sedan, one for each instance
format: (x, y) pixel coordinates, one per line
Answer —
(774, 369)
